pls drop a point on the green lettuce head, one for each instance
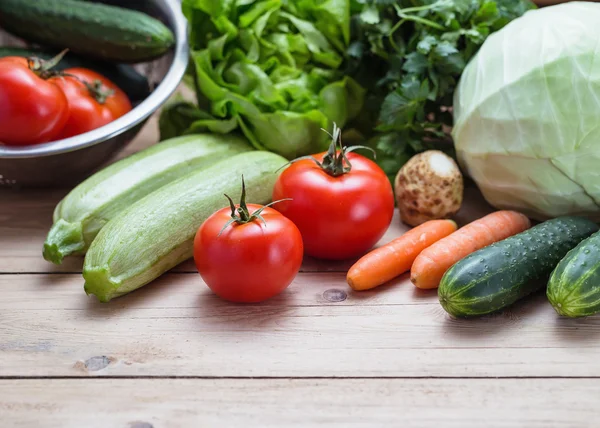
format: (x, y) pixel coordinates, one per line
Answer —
(270, 69)
(527, 113)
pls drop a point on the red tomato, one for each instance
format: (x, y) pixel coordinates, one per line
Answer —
(340, 217)
(85, 112)
(32, 110)
(249, 262)
(118, 103)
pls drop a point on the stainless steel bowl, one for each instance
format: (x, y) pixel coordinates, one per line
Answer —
(68, 161)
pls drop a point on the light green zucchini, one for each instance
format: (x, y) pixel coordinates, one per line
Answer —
(86, 209)
(157, 233)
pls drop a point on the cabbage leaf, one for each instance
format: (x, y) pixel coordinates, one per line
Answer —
(527, 111)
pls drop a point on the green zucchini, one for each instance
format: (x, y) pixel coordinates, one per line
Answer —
(135, 85)
(497, 276)
(86, 209)
(157, 233)
(574, 286)
(92, 29)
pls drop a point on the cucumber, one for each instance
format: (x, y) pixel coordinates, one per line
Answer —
(497, 276)
(574, 286)
(92, 29)
(135, 85)
(157, 233)
(86, 209)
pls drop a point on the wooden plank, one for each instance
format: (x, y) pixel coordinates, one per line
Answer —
(419, 403)
(26, 217)
(177, 327)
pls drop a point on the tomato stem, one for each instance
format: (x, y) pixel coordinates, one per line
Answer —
(241, 214)
(43, 68)
(336, 162)
(97, 90)
(100, 92)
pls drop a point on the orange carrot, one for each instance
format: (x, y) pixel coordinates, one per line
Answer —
(395, 258)
(431, 265)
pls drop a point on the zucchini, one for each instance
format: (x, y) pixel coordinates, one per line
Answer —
(498, 275)
(574, 286)
(93, 29)
(157, 233)
(135, 85)
(86, 209)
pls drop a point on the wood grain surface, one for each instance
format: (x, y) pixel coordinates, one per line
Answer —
(176, 326)
(173, 355)
(299, 403)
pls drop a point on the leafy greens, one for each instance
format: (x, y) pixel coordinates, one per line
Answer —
(280, 70)
(271, 69)
(409, 56)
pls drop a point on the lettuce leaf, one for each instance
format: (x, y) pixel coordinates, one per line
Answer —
(270, 69)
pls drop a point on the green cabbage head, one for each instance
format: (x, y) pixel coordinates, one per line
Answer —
(527, 113)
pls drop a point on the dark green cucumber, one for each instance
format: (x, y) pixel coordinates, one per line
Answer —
(92, 29)
(135, 85)
(574, 286)
(497, 276)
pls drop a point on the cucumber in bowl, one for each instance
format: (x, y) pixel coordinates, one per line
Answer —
(498, 275)
(93, 29)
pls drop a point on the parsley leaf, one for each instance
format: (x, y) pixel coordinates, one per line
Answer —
(409, 55)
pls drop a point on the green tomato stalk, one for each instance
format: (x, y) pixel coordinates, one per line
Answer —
(336, 162)
(241, 213)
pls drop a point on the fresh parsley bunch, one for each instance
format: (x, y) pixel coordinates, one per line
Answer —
(409, 55)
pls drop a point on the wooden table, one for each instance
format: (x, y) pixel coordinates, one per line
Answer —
(174, 355)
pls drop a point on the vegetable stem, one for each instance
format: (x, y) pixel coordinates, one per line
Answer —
(391, 34)
(423, 21)
(414, 8)
(403, 13)
(241, 214)
(336, 162)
